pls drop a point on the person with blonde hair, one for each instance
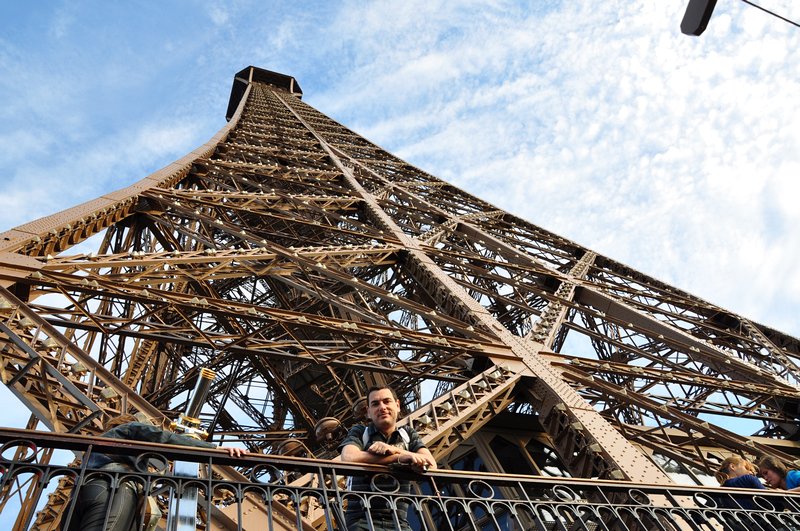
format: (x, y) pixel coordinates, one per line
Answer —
(737, 472)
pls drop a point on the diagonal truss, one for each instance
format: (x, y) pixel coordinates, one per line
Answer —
(304, 264)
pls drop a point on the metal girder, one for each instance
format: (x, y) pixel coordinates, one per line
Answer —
(446, 293)
(455, 416)
(304, 263)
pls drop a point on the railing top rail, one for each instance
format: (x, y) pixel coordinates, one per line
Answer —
(83, 443)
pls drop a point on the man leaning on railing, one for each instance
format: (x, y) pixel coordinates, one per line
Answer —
(94, 496)
(382, 443)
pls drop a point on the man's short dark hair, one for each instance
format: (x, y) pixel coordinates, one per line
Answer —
(380, 388)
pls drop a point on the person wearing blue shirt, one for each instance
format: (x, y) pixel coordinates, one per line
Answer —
(777, 475)
(737, 472)
(792, 479)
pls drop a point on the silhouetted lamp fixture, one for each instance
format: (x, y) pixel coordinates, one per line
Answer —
(292, 447)
(326, 428)
(360, 409)
(697, 15)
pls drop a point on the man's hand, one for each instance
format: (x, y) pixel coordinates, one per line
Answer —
(234, 451)
(381, 448)
(419, 463)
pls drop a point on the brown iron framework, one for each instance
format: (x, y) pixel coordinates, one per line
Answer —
(303, 264)
(442, 500)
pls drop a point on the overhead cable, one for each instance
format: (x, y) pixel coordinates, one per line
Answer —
(771, 13)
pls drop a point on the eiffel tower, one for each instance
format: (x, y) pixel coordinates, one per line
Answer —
(302, 264)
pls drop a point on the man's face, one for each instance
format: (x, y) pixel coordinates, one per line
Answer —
(383, 409)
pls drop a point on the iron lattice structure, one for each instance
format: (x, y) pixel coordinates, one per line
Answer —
(304, 264)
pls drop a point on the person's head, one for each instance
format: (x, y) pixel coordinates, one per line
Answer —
(773, 471)
(733, 467)
(383, 407)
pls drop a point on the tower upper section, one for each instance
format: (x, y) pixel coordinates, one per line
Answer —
(247, 75)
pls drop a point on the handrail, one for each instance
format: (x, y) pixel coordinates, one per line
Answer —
(439, 499)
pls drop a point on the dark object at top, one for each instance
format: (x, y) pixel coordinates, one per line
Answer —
(259, 75)
(697, 15)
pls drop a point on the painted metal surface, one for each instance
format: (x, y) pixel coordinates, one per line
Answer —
(438, 500)
(302, 264)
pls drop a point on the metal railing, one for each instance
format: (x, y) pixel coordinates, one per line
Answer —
(439, 500)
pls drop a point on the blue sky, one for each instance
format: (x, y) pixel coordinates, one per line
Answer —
(597, 120)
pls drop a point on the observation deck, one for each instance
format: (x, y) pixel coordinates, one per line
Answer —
(278, 492)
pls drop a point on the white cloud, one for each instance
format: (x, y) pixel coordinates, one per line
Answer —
(662, 143)
(218, 15)
(158, 140)
(62, 22)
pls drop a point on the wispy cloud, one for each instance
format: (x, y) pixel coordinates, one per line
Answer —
(219, 16)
